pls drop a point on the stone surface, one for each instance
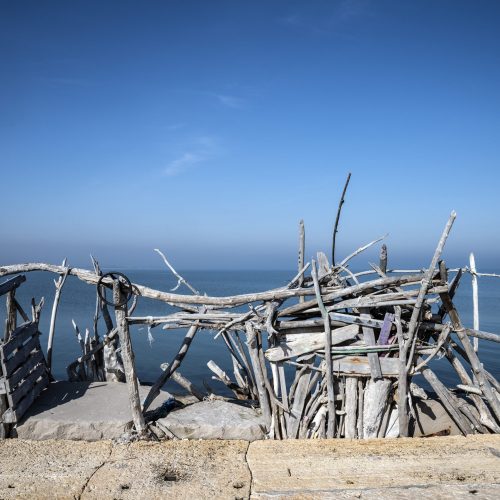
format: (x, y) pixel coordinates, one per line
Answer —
(214, 420)
(173, 469)
(444, 467)
(48, 469)
(81, 411)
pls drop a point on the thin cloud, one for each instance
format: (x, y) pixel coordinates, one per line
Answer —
(183, 163)
(230, 101)
(203, 149)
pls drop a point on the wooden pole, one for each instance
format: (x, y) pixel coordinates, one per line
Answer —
(337, 219)
(330, 432)
(59, 285)
(128, 358)
(259, 376)
(475, 298)
(11, 319)
(302, 249)
(383, 259)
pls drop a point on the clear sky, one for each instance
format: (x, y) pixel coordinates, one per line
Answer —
(210, 128)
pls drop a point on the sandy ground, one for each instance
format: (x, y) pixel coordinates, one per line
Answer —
(446, 467)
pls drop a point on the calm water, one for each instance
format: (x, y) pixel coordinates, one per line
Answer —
(78, 302)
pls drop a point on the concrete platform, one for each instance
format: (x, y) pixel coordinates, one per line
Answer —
(82, 411)
(444, 467)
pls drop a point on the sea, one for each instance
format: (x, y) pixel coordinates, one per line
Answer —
(158, 346)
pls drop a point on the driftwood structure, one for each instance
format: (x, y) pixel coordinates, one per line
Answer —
(331, 354)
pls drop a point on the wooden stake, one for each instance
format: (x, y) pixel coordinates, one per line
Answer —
(330, 431)
(475, 297)
(337, 219)
(128, 358)
(59, 285)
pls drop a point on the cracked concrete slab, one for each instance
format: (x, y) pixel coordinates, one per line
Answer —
(445, 467)
(88, 411)
(173, 469)
(48, 469)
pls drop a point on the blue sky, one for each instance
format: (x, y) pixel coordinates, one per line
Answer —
(209, 129)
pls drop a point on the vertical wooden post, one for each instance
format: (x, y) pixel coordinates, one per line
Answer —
(11, 319)
(383, 259)
(259, 376)
(128, 358)
(302, 249)
(475, 298)
(4, 428)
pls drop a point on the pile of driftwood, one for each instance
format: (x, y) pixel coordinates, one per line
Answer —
(331, 354)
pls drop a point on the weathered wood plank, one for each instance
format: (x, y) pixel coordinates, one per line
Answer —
(20, 356)
(309, 342)
(12, 416)
(375, 402)
(373, 359)
(299, 400)
(34, 359)
(11, 284)
(19, 336)
(351, 403)
(128, 358)
(359, 366)
(28, 383)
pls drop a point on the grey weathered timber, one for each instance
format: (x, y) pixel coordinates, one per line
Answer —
(477, 368)
(475, 297)
(369, 337)
(351, 392)
(18, 337)
(162, 379)
(383, 258)
(330, 431)
(186, 384)
(20, 356)
(493, 337)
(374, 405)
(12, 284)
(302, 249)
(36, 357)
(299, 344)
(259, 376)
(128, 358)
(447, 399)
(55, 305)
(359, 366)
(337, 218)
(14, 415)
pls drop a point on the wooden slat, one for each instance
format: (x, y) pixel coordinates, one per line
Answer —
(303, 343)
(24, 370)
(10, 365)
(369, 336)
(29, 382)
(359, 365)
(12, 416)
(11, 284)
(18, 337)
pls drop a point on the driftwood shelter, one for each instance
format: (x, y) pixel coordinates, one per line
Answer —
(332, 354)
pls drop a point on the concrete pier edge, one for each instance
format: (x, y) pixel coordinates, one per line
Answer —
(442, 467)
